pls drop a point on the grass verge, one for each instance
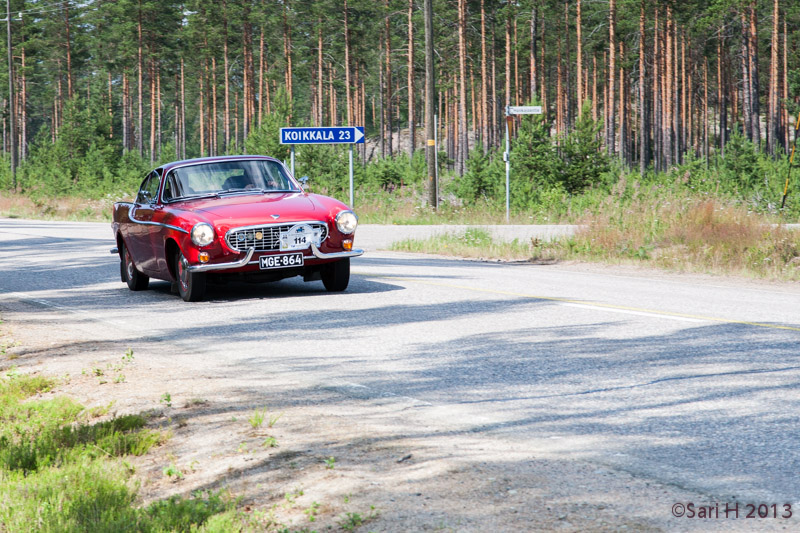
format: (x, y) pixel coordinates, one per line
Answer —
(688, 233)
(59, 473)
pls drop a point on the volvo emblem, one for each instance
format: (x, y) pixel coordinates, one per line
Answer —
(276, 217)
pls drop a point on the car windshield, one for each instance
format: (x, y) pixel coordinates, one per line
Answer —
(223, 177)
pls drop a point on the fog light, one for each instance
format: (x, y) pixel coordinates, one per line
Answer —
(202, 257)
(347, 244)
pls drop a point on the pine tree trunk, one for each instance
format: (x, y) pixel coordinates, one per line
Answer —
(388, 104)
(287, 50)
(579, 60)
(559, 90)
(657, 76)
(23, 107)
(214, 123)
(684, 103)
(644, 126)
(381, 94)
(747, 90)
(517, 86)
(411, 95)
(463, 140)
(202, 112)
(183, 111)
(69, 46)
(347, 67)
(595, 102)
(484, 84)
(226, 76)
(248, 73)
(705, 111)
(140, 129)
(567, 108)
(508, 54)
(110, 108)
(125, 140)
(534, 76)
(152, 108)
(773, 120)
(320, 77)
(753, 63)
(430, 103)
(612, 23)
(543, 73)
(785, 97)
(158, 113)
(623, 126)
(668, 93)
(261, 79)
(721, 95)
(494, 128)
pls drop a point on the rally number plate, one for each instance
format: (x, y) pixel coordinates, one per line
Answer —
(280, 261)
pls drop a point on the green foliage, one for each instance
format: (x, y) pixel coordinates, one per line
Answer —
(58, 474)
(584, 162)
(265, 140)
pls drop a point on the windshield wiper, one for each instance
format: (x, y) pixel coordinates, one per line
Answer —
(242, 189)
(197, 196)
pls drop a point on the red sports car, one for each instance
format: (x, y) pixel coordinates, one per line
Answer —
(235, 217)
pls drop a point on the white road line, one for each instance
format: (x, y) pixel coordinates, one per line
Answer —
(629, 312)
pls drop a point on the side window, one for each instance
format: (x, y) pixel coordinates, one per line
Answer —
(149, 190)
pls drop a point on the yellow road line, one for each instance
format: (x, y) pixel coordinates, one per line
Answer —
(587, 303)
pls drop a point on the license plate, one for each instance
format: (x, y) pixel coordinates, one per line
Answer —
(280, 261)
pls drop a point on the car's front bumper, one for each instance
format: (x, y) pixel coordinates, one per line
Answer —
(213, 267)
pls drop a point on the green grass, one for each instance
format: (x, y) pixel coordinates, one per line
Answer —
(58, 473)
(651, 226)
(474, 243)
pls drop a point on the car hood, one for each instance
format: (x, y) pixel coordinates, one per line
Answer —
(249, 209)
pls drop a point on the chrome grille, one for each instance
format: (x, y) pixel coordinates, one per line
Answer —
(242, 239)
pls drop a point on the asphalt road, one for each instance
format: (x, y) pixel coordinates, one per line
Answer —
(684, 380)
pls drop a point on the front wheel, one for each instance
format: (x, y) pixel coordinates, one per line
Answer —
(130, 274)
(191, 285)
(336, 276)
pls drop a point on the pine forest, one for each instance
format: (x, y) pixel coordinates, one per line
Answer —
(704, 93)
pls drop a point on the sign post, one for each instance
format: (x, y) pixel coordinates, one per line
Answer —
(325, 135)
(512, 110)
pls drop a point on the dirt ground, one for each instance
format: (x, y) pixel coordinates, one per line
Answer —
(349, 467)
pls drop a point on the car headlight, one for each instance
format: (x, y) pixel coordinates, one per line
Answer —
(202, 234)
(346, 222)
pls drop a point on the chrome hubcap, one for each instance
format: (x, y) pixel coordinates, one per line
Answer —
(183, 273)
(128, 266)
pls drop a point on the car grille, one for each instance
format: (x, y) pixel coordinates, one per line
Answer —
(245, 238)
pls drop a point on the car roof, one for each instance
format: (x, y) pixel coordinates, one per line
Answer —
(215, 159)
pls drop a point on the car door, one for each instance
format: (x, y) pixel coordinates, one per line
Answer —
(141, 215)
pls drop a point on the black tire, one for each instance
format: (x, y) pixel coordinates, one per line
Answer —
(130, 274)
(191, 285)
(336, 276)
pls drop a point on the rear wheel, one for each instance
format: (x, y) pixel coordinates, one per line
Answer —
(336, 276)
(136, 280)
(191, 285)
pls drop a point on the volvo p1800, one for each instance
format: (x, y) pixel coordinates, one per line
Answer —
(247, 218)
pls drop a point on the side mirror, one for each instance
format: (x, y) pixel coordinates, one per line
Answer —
(304, 181)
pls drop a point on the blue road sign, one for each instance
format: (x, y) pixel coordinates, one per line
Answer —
(337, 135)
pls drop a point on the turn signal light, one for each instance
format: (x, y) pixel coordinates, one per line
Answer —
(203, 257)
(347, 244)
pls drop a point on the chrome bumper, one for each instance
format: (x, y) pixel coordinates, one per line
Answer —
(334, 255)
(224, 266)
(246, 259)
